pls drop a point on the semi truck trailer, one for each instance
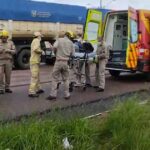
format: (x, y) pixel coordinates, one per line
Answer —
(22, 18)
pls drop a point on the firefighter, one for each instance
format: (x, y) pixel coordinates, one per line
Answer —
(7, 50)
(78, 43)
(82, 64)
(87, 48)
(102, 57)
(63, 48)
(36, 51)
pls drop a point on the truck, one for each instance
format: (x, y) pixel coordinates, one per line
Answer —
(22, 18)
(128, 33)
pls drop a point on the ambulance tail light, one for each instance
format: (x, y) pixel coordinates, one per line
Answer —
(144, 53)
(141, 53)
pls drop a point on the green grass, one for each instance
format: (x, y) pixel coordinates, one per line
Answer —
(125, 128)
(46, 135)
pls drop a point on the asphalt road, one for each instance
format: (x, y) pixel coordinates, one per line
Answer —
(18, 103)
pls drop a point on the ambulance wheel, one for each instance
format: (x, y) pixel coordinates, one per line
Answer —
(147, 75)
(114, 73)
(84, 88)
(71, 85)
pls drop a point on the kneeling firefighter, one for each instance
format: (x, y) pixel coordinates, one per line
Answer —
(7, 50)
(35, 59)
(63, 48)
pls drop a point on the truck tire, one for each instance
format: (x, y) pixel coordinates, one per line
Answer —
(23, 59)
(114, 73)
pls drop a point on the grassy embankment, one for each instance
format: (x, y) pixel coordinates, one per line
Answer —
(125, 128)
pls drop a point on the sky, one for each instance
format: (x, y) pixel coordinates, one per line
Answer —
(110, 4)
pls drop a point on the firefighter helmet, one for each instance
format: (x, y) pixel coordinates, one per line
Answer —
(4, 33)
(70, 34)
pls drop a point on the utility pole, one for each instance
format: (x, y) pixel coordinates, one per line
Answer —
(101, 4)
(108, 3)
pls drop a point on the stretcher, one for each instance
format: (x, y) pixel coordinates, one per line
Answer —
(82, 55)
(74, 64)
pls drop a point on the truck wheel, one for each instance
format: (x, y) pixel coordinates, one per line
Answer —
(23, 59)
(50, 61)
(114, 73)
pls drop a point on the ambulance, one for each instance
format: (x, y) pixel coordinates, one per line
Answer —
(128, 33)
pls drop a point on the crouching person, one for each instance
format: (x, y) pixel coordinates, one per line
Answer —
(35, 59)
(103, 55)
(63, 49)
(7, 50)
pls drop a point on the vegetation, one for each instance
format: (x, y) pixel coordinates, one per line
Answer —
(127, 127)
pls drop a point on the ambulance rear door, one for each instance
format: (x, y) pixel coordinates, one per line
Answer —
(131, 54)
(93, 27)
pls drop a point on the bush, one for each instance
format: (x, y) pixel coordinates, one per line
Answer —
(127, 128)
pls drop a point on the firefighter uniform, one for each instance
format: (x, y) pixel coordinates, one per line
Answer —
(63, 48)
(35, 59)
(7, 50)
(81, 65)
(86, 66)
(103, 55)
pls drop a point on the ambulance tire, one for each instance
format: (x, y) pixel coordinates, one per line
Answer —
(147, 75)
(114, 73)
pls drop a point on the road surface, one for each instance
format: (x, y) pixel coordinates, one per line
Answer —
(18, 103)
